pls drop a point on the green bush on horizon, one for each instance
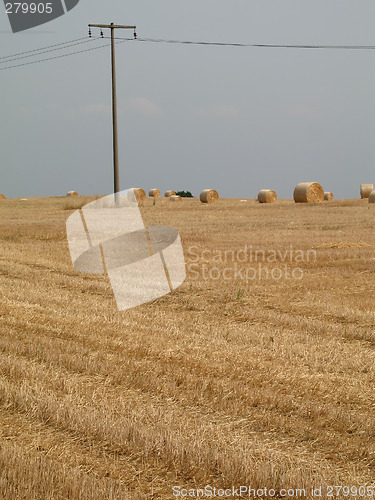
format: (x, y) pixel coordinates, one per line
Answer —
(184, 194)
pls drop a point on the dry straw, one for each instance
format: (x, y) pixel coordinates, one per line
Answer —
(308, 192)
(328, 196)
(267, 196)
(366, 189)
(209, 196)
(167, 194)
(154, 193)
(175, 198)
(2, 197)
(371, 198)
(140, 194)
(72, 193)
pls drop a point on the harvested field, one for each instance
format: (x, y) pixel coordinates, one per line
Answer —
(268, 383)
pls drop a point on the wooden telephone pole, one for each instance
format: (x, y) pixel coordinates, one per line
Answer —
(112, 27)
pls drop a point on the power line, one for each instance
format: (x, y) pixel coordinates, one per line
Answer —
(41, 51)
(259, 45)
(43, 48)
(256, 45)
(71, 43)
(57, 57)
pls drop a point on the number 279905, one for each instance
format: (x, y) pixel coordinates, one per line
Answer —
(25, 8)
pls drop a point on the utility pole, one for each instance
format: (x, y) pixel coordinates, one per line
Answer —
(116, 174)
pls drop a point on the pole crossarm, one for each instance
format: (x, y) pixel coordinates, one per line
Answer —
(111, 26)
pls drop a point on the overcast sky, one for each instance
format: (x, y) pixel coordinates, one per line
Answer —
(236, 119)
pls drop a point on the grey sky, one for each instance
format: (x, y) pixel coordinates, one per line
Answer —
(237, 119)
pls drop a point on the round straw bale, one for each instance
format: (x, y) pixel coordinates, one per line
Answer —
(167, 194)
(209, 196)
(72, 193)
(328, 196)
(2, 197)
(175, 198)
(155, 193)
(267, 196)
(371, 198)
(140, 194)
(366, 189)
(308, 192)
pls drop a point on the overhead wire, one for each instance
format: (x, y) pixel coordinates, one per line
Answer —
(58, 57)
(41, 51)
(83, 40)
(43, 48)
(258, 45)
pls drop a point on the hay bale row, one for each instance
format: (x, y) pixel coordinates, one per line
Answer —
(206, 196)
(209, 196)
(308, 192)
(366, 190)
(267, 196)
(304, 192)
(154, 193)
(328, 196)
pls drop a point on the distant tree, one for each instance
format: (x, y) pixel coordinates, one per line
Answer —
(184, 194)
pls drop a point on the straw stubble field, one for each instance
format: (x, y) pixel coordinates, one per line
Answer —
(221, 383)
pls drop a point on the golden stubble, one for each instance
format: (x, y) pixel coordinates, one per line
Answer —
(268, 383)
